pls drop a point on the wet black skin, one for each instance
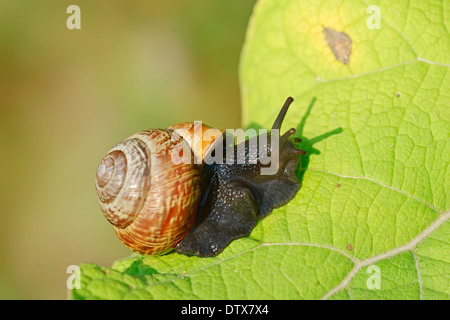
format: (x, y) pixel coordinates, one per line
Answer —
(235, 196)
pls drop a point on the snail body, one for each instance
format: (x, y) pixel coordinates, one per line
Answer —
(195, 207)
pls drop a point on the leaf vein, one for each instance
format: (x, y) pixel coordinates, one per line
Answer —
(389, 254)
(379, 183)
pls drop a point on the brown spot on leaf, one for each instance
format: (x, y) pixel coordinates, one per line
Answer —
(397, 94)
(349, 247)
(338, 185)
(340, 43)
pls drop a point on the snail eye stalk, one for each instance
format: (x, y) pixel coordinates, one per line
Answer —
(282, 114)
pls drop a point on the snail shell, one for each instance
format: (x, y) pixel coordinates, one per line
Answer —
(151, 202)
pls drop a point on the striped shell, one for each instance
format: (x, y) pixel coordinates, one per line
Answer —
(151, 202)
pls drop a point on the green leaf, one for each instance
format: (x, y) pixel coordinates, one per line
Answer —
(371, 220)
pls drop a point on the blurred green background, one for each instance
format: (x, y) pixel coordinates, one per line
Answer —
(67, 96)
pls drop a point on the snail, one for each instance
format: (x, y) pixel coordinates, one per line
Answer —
(195, 207)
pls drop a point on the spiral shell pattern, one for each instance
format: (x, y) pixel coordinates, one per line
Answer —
(123, 181)
(151, 201)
